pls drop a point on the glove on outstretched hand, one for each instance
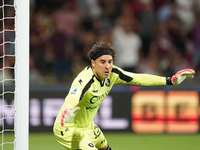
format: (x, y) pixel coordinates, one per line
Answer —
(182, 75)
(68, 115)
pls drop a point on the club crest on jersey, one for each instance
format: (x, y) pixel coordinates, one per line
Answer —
(107, 82)
(74, 91)
(91, 145)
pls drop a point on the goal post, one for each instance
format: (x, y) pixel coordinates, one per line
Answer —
(22, 75)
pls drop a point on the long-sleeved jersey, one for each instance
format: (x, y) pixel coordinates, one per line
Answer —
(88, 92)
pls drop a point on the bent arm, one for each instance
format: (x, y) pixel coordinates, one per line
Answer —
(70, 102)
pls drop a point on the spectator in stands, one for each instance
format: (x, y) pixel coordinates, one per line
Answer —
(66, 18)
(175, 32)
(127, 44)
(89, 8)
(162, 48)
(196, 40)
(62, 52)
(147, 21)
(40, 33)
(185, 12)
(35, 77)
(165, 10)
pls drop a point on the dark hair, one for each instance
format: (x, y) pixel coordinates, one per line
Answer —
(99, 47)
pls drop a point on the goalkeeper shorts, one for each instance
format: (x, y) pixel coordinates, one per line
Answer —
(75, 138)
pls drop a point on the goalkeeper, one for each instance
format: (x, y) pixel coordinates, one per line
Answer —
(74, 127)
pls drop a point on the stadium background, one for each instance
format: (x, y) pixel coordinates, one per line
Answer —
(155, 36)
(62, 32)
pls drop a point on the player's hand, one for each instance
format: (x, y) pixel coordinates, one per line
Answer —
(182, 75)
(68, 115)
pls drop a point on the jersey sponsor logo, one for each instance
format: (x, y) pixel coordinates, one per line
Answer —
(74, 91)
(107, 82)
(93, 107)
(94, 99)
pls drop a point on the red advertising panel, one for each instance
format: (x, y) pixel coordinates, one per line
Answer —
(182, 112)
(148, 111)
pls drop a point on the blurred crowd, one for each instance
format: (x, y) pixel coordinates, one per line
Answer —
(150, 36)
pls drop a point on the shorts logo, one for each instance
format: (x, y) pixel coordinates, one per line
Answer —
(91, 145)
(74, 91)
(107, 82)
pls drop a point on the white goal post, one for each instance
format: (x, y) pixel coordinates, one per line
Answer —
(22, 75)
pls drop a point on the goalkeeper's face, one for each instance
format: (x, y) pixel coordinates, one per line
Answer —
(102, 66)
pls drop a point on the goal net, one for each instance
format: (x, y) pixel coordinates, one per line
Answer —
(14, 72)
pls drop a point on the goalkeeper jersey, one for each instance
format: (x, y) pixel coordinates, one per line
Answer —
(88, 92)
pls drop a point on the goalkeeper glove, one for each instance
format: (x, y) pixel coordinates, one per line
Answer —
(180, 76)
(68, 115)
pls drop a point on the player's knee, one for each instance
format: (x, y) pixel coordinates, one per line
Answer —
(108, 148)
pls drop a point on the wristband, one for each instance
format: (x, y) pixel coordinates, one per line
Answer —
(169, 81)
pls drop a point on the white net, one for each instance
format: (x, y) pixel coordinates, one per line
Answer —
(7, 79)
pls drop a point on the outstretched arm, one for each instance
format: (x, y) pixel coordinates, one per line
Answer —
(153, 80)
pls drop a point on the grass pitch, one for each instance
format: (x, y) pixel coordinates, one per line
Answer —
(119, 141)
(127, 141)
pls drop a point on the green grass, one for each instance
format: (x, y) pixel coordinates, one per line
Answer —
(121, 141)
(154, 142)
